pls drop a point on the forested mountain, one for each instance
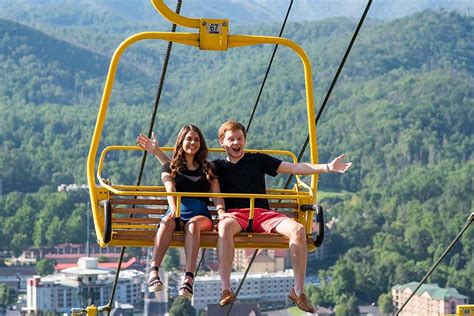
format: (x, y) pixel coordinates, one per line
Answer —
(402, 112)
(39, 69)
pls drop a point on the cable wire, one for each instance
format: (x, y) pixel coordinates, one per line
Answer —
(268, 68)
(150, 130)
(241, 283)
(433, 267)
(333, 83)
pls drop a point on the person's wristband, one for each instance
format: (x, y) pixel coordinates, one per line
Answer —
(220, 208)
(326, 168)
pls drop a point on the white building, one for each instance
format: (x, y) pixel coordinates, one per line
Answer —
(260, 287)
(430, 299)
(82, 286)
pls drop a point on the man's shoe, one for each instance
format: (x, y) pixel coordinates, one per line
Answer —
(227, 297)
(301, 301)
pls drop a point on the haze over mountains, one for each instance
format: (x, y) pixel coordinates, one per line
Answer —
(239, 11)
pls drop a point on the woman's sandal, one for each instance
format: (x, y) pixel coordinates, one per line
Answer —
(186, 289)
(155, 284)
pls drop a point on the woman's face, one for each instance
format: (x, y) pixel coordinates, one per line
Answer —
(191, 143)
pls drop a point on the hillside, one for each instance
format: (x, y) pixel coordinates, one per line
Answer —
(402, 112)
(40, 69)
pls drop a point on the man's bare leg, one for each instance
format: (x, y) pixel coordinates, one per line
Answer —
(228, 227)
(298, 252)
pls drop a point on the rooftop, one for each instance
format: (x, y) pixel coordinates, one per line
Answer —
(432, 289)
(104, 265)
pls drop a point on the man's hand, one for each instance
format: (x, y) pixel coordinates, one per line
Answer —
(220, 214)
(338, 166)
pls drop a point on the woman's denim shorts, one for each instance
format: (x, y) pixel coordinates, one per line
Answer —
(191, 207)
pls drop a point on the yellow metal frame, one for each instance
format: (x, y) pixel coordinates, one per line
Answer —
(215, 38)
(465, 310)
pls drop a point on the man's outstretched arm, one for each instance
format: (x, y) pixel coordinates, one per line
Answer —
(304, 168)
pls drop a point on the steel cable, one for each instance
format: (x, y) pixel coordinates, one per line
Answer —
(150, 130)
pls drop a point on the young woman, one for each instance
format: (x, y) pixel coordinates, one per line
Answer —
(188, 171)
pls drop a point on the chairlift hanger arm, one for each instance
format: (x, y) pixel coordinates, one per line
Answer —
(173, 17)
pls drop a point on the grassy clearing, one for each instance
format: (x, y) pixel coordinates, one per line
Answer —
(295, 311)
(331, 194)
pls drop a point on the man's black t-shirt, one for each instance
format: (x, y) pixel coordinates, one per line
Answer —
(246, 176)
(190, 180)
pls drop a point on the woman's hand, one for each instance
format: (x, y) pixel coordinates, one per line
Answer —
(171, 215)
(150, 145)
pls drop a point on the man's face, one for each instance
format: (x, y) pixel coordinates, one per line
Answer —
(233, 143)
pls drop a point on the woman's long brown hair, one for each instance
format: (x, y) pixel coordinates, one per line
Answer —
(178, 161)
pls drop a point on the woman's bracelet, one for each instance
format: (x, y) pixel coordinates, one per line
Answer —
(221, 208)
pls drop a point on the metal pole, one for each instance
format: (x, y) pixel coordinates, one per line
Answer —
(88, 249)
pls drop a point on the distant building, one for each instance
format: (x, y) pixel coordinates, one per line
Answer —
(65, 253)
(15, 276)
(210, 259)
(132, 263)
(72, 187)
(369, 310)
(429, 300)
(267, 260)
(323, 251)
(260, 288)
(239, 309)
(81, 286)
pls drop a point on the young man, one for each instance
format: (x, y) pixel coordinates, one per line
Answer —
(243, 172)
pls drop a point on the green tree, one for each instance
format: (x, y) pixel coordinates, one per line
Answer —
(343, 278)
(18, 243)
(45, 267)
(347, 306)
(7, 295)
(341, 307)
(311, 292)
(385, 303)
(171, 260)
(182, 307)
(54, 232)
(353, 305)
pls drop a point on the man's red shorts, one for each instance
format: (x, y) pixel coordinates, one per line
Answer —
(263, 220)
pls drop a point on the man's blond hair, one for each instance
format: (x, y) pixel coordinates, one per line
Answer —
(230, 125)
